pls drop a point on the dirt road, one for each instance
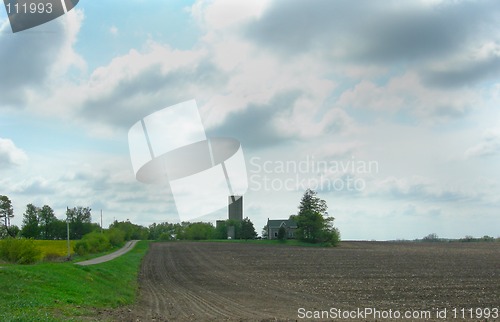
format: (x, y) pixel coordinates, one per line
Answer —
(182, 281)
(128, 246)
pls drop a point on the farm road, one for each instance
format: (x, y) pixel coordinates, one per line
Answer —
(197, 281)
(128, 246)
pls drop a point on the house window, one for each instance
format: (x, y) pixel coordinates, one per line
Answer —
(290, 234)
(276, 234)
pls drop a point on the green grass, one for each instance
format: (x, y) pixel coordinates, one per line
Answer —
(68, 292)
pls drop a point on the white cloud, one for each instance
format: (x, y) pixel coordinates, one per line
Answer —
(10, 154)
(489, 146)
(270, 75)
(408, 93)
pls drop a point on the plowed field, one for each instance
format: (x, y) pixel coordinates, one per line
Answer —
(183, 281)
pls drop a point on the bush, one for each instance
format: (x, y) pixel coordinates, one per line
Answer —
(330, 236)
(20, 251)
(116, 236)
(92, 243)
(282, 233)
(82, 247)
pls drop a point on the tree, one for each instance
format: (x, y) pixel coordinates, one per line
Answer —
(282, 233)
(6, 213)
(46, 219)
(30, 227)
(220, 230)
(237, 227)
(313, 223)
(80, 221)
(247, 229)
(132, 231)
(431, 238)
(197, 231)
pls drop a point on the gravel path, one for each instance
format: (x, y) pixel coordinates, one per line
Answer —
(128, 246)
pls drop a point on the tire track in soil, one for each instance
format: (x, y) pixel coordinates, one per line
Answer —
(172, 287)
(199, 281)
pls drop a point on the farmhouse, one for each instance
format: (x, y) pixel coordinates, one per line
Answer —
(273, 226)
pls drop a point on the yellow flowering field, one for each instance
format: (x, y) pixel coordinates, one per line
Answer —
(55, 248)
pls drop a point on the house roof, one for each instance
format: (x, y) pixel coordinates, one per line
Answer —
(277, 223)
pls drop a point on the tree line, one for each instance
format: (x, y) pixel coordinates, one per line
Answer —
(243, 229)
(42, 223)
(314, 225)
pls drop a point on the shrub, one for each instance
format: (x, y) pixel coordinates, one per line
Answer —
(92, 243)
(20, 251)
(282, 233)
(82, 247)
(116, 236)
(330, 236)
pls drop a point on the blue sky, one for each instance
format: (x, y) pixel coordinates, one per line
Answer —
(413, 86)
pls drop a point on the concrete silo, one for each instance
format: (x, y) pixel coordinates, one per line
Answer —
(235, 207)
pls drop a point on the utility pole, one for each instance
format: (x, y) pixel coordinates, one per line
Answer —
(67, 233)
(101, 221)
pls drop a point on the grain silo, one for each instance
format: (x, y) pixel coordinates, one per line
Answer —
(235, 207)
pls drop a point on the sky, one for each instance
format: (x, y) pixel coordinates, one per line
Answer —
(390, 110)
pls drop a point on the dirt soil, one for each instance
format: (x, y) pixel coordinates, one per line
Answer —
(202, 281)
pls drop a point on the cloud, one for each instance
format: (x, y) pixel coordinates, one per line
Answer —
(140, 82)
(422, 189)
(31, 59)
(10, 155)
(255, 126)
(481, 66)
(489, 146)
(374, 32)
(34, 186)
(408, 94)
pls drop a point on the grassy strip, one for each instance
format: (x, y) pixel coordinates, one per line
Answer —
(65, 291)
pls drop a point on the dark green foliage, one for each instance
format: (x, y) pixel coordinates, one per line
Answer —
(6, 213)
(164, 231)
(19, 251)
(198, 231)
(46, 219)
(41, 223)
(470, 239)
(132, 231)
(282, 233)
(221, 230)
(237, 227)
(247, 229)
(80, 221)
(431, 238)
(313, 223)
(30, 227)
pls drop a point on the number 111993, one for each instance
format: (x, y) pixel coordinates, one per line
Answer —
(32, 7)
